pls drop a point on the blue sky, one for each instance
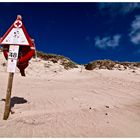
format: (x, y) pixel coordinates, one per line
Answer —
(81, 31)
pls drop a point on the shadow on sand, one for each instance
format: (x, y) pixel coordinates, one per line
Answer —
(16, 100)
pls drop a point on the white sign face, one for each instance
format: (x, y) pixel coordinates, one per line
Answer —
(12, 58)
(16, 36)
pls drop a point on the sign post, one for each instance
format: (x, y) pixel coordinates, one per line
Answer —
(15, 37)
(8, 96)
(11, 67)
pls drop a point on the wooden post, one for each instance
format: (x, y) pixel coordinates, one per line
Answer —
(35, 56)
(8, 96)
(81, 68)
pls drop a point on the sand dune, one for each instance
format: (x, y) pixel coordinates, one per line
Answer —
(53, 102)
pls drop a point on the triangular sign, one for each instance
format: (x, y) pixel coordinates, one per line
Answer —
(16, 35)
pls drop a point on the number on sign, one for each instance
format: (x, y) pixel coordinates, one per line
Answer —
(12, 55)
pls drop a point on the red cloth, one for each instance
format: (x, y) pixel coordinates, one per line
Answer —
(23, 66)
(25, 54)
(5, 51)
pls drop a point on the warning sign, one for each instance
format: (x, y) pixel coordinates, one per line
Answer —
(16, 35)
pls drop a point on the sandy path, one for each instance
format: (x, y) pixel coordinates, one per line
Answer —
(72, 104)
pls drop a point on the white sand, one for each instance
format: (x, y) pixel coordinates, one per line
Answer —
(98, 103)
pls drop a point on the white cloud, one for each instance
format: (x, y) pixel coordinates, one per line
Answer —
(135, 31)
(136, 38)
(107, 42)
(126, 8)
(122, 8)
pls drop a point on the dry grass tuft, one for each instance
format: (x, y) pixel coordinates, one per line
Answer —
(66, 62)
(110, 65)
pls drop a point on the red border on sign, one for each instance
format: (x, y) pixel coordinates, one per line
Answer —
(24, 31)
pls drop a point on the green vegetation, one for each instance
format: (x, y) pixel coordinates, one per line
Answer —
(100, 64)
(109, 64)
(66, 62)
(69, 64)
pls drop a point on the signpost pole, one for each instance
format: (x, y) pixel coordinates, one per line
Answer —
(8, 96)
(11, 67)
(16, 36)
